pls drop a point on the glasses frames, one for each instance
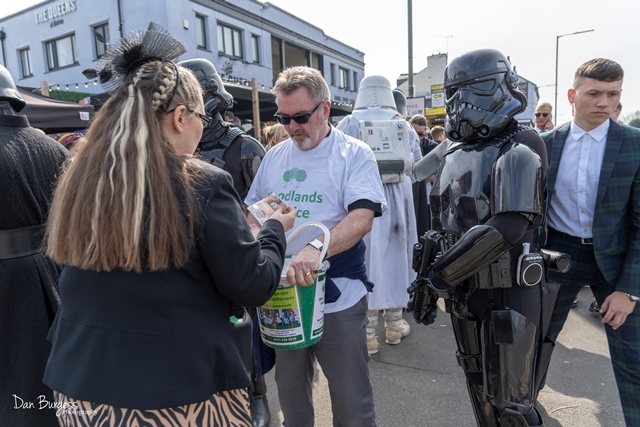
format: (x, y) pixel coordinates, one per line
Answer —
(301, 119)
(545, 115)
(69, 139)
(206, 121)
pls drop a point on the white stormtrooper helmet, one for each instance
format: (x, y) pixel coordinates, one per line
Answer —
(374, 91)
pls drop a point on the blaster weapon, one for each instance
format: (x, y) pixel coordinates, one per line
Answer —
(423, 302)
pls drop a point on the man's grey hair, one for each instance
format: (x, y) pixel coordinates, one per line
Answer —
(293, 78)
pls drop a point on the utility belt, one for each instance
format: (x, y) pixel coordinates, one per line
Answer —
(497, 275)
(19, 242)
(529, 268)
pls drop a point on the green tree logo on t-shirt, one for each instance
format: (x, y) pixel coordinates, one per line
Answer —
(296, 174)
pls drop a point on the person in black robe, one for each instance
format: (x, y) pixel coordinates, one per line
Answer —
(30, 162)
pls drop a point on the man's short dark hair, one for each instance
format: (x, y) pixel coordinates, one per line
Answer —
(436, 132)
(601, 69)
(419, 120)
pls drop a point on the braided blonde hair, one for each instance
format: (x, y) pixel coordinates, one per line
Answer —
(127, 201)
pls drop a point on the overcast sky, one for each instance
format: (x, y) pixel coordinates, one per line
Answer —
(525, 31)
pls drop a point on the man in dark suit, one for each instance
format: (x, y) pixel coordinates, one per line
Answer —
(594, 216)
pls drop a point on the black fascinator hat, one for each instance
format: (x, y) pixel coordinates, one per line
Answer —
(137, 48)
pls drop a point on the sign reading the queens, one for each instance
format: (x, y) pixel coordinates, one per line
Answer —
(54, 11)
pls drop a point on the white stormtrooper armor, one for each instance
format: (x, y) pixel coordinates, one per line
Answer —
(381, 128)
(375, 121)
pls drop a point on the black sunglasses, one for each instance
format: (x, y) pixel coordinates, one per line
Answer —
(301, 119)
(542, 114)
(206, 121)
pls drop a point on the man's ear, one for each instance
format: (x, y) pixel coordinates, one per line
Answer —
(326, 108)
(570, 95)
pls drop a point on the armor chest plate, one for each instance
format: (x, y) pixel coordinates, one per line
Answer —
(461, 195)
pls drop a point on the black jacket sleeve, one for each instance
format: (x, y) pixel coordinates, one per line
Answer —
(245, 270)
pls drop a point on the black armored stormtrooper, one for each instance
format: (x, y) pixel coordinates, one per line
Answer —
(232, 150)
(223, 144)
(483, 252)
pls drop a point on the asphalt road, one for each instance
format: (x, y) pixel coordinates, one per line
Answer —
(418, 382)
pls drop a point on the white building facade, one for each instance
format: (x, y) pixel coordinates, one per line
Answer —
(54, 41)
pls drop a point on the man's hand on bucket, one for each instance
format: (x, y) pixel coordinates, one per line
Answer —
(303, 268)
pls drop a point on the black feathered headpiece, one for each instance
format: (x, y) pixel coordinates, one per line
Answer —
(137, 48)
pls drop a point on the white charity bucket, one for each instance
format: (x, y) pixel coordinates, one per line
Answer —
(294, 316)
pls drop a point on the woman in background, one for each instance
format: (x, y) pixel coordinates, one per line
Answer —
(73, 142)
(158, 259)
(274, 134)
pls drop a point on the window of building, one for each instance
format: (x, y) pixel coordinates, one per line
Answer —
(25, 63)
(229, 41)
(332, 71)
(277, 60)
(61, 52)
(285, 54)
(201, 31)
(344, 78)
(315, 61)
(294, 56)
(255, 48)
(355, 81)
(101, 39)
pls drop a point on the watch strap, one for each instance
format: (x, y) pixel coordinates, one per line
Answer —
(316, 244)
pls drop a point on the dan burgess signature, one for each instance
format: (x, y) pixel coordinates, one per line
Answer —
(42, 403)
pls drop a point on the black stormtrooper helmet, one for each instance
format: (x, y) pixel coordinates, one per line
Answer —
(216, 98)
(9, 91)
(481, 95)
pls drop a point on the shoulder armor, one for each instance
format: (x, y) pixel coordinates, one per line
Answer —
(519, 182)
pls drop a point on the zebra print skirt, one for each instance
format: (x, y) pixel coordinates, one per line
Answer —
(224, 409)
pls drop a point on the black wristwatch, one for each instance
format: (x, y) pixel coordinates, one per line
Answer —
(316, 244)
(632, 297)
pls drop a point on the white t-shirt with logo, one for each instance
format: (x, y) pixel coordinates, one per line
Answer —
(321, 184)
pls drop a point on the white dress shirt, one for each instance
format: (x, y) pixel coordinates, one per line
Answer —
(576, 188)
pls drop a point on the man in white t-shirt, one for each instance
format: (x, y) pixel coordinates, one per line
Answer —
(331, 178)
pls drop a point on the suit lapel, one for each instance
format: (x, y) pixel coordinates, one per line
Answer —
(557, 145)
(614, 142)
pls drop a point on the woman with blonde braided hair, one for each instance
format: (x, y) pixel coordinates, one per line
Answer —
(158, 258)
(274, 134)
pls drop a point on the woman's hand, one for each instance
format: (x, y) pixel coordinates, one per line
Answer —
(286, 217)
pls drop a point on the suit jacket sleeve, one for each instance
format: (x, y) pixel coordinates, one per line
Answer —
(244, 269)
(629, 281)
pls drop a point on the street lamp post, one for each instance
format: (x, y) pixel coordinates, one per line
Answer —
(555, 101)
(411, 90)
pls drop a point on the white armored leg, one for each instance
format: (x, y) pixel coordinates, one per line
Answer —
(372, 325)
(397, 328)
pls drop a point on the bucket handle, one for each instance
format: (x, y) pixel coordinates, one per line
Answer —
(325, 230)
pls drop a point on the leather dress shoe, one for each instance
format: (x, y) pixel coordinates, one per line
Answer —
(260, 415)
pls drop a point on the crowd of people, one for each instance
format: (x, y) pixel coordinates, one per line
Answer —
(131, 270)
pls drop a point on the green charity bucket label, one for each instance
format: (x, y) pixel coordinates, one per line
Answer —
(294, 316)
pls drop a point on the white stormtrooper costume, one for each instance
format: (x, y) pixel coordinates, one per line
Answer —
(376, 121)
